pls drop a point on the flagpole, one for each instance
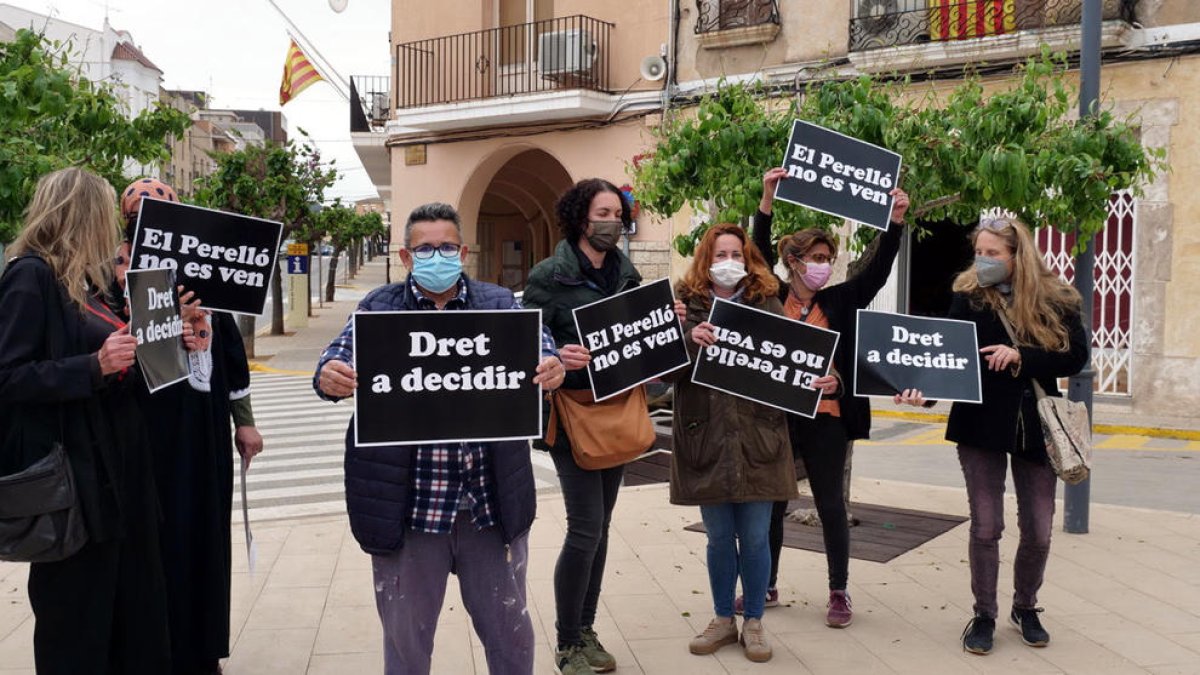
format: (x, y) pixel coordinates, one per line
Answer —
(294, 32)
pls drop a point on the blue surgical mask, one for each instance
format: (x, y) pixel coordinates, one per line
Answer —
(437, 273)
(990, 271)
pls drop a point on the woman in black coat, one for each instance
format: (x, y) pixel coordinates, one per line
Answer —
(825, 442)
(1010, 282)
(195, 478)
(67, 374)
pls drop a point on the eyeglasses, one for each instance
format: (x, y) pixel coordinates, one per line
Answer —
(995, 224)
(425, 251)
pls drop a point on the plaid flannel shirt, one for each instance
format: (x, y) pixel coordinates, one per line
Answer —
(445, 477)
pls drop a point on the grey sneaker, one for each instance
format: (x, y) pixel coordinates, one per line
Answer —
(754, 641)
(720, 632)
(599, 659)
(571, 660)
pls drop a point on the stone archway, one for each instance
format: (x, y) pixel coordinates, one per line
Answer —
(515, 191)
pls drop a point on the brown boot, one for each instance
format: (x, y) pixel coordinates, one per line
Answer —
(720, 632)
(754, 641)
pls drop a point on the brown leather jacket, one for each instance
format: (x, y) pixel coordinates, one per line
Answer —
(726, 448)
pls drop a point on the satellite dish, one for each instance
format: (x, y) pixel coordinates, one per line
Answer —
(338, 5)
(653, 68)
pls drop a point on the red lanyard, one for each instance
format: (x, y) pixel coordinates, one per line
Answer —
(106, 316)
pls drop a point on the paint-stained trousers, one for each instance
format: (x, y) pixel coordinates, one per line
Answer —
(410, 585)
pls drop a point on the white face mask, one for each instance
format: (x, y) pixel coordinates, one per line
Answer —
(727, 273)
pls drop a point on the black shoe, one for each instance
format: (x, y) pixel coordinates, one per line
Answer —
(977, 636)
(1026, 621)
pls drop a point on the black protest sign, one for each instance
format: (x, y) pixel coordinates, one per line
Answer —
(225, 258)
(447, 376)
(154, 321)
(633, 337)
(940, 357)
(766, 358)
(840, 175)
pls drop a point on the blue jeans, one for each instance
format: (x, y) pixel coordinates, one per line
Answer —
(738, 542)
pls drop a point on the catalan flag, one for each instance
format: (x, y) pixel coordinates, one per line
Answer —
(298, 74)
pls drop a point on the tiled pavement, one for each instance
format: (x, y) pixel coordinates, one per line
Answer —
(1124, 598)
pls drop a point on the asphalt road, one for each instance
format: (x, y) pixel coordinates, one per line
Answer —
(1137, 471)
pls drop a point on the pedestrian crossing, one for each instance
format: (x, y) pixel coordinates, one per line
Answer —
(299, 472)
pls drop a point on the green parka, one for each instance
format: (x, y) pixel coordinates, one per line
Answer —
(726, 448)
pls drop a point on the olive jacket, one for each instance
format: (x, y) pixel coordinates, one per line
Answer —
(727, 449)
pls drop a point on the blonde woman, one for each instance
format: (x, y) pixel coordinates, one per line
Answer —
(67, 375)
(1009, 281)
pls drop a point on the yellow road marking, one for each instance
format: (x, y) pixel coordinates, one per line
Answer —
(1122, 441)
(260, 368)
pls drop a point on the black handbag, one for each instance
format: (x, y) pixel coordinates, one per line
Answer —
(40, 516)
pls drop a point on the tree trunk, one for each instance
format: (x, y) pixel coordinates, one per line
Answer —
(313, 252)
(276, 301)
(329, 281)
(246, 327)
(352, 259)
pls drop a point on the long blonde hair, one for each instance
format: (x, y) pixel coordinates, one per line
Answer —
(72, 224)
(1039, 298)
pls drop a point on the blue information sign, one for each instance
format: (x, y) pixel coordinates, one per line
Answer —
(297, 264)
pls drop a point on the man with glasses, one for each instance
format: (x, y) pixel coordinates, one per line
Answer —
(427, 511)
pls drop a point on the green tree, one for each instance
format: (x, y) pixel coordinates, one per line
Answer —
(51, 118)
(964, 152)
(339, 223)
(272, 181)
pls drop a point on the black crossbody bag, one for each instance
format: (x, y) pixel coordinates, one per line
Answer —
(40, 516)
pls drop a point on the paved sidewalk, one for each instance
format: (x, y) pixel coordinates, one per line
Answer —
(1123, 599)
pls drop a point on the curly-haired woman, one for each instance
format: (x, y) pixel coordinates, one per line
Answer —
(586, 266)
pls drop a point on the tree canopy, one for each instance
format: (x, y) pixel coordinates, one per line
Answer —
(51, 118)
(1017, 149)
(277, 182)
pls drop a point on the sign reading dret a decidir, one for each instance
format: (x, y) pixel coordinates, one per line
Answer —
(766, 358)
(839, 175)
(155, 321)
(225, 258)
(938, 357)
(633, 337)
(432, 377)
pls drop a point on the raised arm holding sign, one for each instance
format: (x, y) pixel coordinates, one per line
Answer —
(839, 175)
(226, 258)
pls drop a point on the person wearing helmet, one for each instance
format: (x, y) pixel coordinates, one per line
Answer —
(189, 424)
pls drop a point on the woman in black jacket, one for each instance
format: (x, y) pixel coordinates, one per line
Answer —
(824, 443)
(1010, 282)
(67, 374)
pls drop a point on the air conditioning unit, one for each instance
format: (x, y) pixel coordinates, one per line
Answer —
(566, 52)
(379, 105)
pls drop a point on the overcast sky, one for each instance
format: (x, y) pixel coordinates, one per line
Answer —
(234, 50)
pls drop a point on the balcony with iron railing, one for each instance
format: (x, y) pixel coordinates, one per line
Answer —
(370, 102)
(878, 24)
(732, 23)
(542, 56)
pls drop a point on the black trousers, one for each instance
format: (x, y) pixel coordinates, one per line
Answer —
(821, 444)
(589, 497)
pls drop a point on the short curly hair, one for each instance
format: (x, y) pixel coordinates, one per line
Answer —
(572, 208)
